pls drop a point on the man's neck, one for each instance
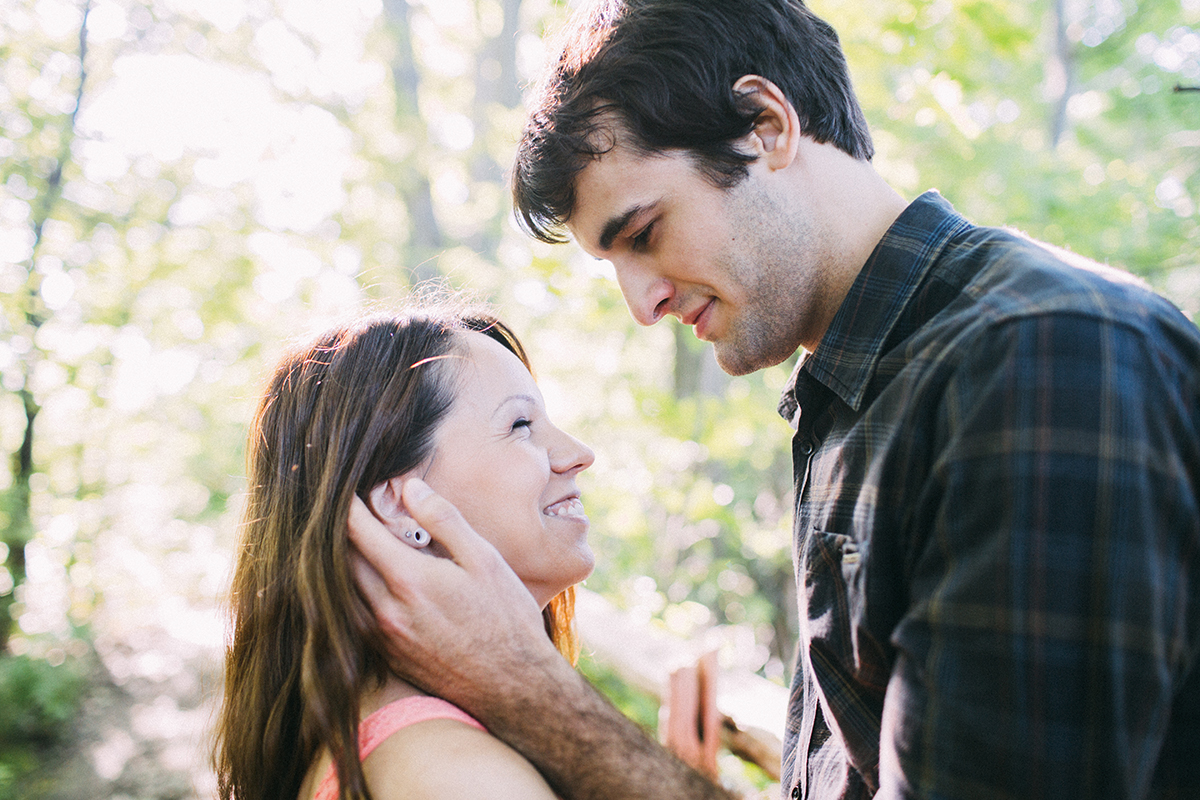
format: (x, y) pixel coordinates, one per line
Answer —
(857, 209)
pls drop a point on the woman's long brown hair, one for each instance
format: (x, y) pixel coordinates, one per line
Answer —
(356, 407)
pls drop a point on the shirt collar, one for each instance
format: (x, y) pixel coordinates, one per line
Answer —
(846, 357)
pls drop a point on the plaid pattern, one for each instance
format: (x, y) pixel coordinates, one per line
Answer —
(997, 535)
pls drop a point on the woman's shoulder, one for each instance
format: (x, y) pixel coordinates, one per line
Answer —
(447, 757)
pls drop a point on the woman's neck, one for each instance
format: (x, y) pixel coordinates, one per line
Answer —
(391, 690)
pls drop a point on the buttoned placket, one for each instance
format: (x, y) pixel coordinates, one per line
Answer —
(803, 447)
(812, 420)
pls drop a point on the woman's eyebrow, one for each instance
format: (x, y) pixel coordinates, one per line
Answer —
(526, 398)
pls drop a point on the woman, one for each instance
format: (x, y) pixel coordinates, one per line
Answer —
(441, 394)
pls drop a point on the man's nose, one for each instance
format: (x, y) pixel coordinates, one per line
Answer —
(647, 294)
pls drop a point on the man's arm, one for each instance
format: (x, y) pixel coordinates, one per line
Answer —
(1054, 544)
(465, 629)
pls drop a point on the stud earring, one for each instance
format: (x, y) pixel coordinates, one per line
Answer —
(417, 538)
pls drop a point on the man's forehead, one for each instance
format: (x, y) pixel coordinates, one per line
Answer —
(607, 129)
(605, 198)
(611, 144)
(610, 190)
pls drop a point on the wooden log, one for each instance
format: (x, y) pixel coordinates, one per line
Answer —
(752, 707)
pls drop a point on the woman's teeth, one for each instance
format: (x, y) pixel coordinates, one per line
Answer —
(571, 507)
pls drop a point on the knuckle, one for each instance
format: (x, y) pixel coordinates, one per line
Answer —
(443, 512)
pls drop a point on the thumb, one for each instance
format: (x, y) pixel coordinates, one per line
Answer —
(372, 539)
(470, 551)
(446, 525)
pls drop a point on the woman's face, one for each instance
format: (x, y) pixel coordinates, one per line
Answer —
(511, 473)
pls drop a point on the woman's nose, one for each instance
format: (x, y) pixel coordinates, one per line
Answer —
(571, 455)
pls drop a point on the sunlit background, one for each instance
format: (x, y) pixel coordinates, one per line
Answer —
(217, 178)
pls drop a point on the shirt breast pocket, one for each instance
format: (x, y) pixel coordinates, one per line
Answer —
(847, 665)
(830, 571)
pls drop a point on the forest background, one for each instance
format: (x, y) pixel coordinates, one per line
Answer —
(187, 186)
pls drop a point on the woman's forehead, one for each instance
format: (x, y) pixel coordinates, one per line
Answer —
(488, 365)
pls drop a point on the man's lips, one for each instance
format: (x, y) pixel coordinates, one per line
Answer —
(700, 318)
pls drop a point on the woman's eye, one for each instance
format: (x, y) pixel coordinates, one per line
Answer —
(522, 423)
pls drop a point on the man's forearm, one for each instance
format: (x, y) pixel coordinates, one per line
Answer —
(584, 747)
(473, 636)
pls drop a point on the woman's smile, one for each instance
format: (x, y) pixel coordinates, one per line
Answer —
(511, 472)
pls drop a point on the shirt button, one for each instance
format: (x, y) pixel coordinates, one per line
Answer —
(806, 448)
(796, 791)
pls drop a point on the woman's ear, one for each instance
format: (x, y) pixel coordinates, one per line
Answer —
(385, 500)
(387, 503)
(776, 134)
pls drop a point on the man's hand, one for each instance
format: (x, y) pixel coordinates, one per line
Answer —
(466, 629)
(451, 623)
(692, 729)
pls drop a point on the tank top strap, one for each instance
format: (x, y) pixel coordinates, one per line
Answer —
(383, 723)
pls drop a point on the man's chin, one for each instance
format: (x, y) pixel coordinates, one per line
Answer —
(735, 360)
(732, 361)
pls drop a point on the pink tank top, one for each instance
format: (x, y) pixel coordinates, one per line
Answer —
(389, 719)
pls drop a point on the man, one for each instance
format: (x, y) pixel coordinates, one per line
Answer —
(997, 533)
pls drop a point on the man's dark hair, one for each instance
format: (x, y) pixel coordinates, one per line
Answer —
(663, 72)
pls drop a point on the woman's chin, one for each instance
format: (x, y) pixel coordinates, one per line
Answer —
(587, 564)
(544, 593)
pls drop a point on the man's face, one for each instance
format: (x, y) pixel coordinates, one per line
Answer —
(740, 265)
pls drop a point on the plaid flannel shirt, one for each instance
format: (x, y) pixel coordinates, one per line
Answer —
(997, 538)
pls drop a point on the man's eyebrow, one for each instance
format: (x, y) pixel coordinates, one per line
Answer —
(614, 226)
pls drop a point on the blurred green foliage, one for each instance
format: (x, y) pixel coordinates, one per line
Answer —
(642, 708)
(38, 703)
(241, 174)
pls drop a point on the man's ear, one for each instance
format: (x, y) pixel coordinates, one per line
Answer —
(776, 135)
(386, 501)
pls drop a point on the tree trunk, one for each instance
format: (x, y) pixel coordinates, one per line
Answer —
(495, 85)
(19, 501)
(425, 239)
(1060, 72)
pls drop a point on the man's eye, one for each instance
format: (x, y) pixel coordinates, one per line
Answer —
(642, 240)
